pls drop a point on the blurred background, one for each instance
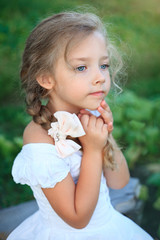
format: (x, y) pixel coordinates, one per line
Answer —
(134, 26)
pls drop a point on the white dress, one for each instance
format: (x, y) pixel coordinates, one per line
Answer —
(42, 165)
(38, 165)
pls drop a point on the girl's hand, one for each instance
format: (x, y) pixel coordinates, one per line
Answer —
(106, 114)
(96, 132)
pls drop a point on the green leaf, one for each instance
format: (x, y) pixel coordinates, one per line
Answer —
(136, 125)
(156, 204)
(132, 154)
(144, 193)
(154, 179)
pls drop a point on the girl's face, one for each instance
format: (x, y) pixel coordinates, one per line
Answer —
(87, 81)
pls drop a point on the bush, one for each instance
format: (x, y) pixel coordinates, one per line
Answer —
(137, 127)
(12, 122)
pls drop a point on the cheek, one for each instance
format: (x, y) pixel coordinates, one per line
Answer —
(108, 83)
(78, 86)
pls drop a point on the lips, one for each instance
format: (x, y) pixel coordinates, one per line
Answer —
(98, 93)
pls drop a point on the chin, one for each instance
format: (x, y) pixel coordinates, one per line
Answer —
(93, 107)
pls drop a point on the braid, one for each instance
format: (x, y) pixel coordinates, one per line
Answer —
(44, 117)
(109, 160)
(39, 112)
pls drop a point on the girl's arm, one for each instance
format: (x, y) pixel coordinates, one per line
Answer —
(75, 203)
(119, 177)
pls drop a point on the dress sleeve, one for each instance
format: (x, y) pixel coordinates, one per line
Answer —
(39, 164)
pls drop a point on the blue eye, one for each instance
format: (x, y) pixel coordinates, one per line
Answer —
(104, 66)
(81, 68)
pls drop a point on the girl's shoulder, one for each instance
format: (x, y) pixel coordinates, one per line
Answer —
(34, 133)
(38, 162)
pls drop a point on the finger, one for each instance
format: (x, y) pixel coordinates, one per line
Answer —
(85, 121)
(107, 116)
(84, 111)
(79, 115)
(99, 123)
(105, 106)
(92, 121)
(110, 127)
(100, 117)
(105, 128)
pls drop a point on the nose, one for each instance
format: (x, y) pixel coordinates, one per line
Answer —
(98, 77)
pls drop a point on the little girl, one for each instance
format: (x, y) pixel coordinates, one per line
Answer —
(69, 157)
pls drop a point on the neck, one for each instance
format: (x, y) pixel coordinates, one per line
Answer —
(54, 108)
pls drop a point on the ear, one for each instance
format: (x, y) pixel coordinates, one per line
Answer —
(46, 81)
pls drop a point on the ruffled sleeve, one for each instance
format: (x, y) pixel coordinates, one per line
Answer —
(39, 164)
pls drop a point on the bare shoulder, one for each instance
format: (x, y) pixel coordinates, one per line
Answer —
(34, 133)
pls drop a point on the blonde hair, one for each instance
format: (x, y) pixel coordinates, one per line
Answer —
(43, 47)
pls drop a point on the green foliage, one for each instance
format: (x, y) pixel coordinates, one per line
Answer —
(12, 122)
(137, 127)
(154, 179)
(13, 119)
(157, 204)
(144, 193)
(8, 151)
(17, 20)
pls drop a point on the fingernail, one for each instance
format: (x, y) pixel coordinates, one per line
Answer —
(111, 125)
(104, 102)
(100, 108)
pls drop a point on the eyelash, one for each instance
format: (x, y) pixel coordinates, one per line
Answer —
(106, 66)
(78, 68)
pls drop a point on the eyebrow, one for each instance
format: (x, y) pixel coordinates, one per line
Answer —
(87, 59)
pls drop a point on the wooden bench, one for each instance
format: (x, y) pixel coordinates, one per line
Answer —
(124, 200)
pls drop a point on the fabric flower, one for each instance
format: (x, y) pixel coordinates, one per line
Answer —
(67, 125)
